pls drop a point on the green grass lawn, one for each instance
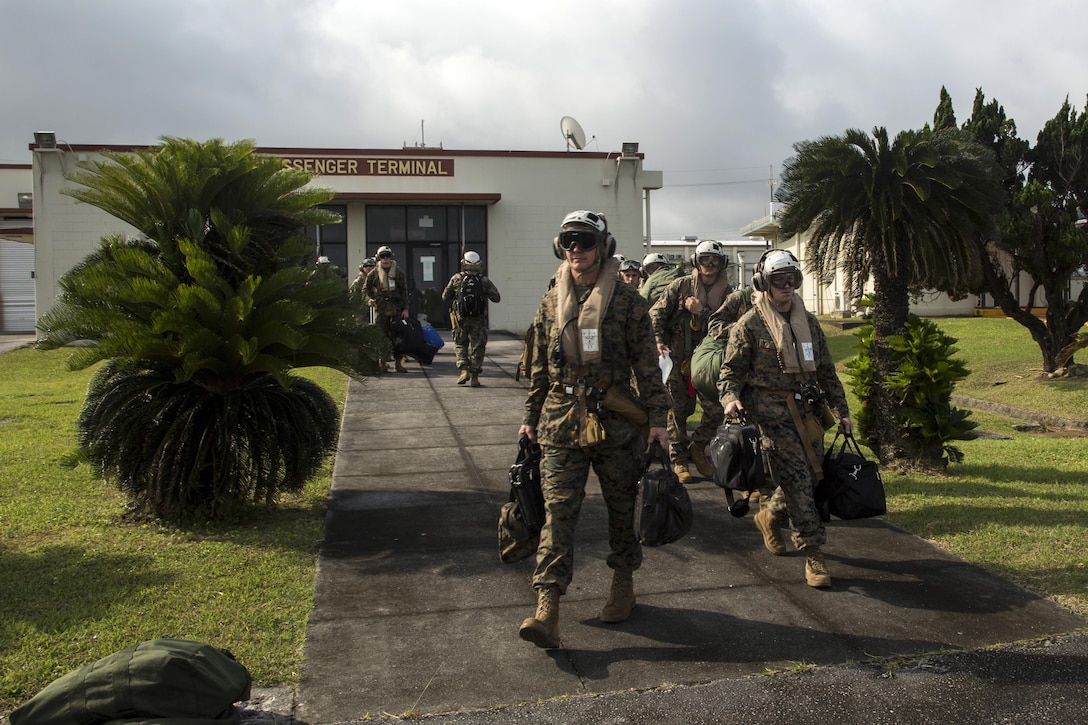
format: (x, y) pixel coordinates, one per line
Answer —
(82, 581)
(1018, 504)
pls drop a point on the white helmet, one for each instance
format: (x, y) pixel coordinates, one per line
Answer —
(654, 258)
(773, 262)
(589, 218)
(779, 260)
(382, 251)
(709, 246)
(472, 257)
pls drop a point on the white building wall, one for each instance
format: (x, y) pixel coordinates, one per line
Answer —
(15, 179)
(65, 231)
(536, 189)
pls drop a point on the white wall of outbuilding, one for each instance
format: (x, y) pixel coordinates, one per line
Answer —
(527, 195)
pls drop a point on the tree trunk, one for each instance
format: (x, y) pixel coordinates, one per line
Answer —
(1062, 320)
(889, 318)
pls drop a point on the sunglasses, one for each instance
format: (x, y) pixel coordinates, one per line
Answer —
(584, 239)
(787, 279)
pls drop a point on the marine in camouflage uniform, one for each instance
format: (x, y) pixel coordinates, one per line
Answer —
(752, 374)
(553, 418)
(390, 301)
(469, 333)
(357, 289)
(736, 304)
(681, 331)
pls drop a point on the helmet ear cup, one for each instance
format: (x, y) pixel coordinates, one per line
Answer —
(556, 250)
(759, 283)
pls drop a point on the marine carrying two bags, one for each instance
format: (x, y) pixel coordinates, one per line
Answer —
(663, 511)
(851, 487)
(522, 516)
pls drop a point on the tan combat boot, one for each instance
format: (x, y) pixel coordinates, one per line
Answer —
(542, 629)
(768, 525)
(815, 570)
(621, 598)
(698, 457)
(474, 380)
(463, 378)
(682, 473)
(400, 366)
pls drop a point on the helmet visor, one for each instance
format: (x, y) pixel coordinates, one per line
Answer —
(583, 238)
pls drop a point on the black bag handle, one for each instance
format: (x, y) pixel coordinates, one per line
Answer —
(657, 454)
(849, 445)
(526, 449)
(739, 418)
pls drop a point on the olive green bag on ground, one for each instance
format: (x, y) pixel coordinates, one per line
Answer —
(160, 682)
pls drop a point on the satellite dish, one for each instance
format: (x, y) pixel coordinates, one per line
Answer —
(573, 133)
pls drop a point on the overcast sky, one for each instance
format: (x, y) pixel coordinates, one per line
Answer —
(716, 92)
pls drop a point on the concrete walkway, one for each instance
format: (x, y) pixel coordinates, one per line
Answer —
(414, 614)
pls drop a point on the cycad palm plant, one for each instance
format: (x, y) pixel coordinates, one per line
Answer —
(906, 213)
(203, 322)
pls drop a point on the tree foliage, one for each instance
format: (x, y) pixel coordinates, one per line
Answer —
(905, 213)
(1045, 194)
(203, 321)
(926, 372)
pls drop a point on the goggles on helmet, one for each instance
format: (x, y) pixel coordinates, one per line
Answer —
(709, 260)
(781, 280)
(585, 239)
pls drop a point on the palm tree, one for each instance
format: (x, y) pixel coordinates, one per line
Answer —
(203, 322)
(904, 213)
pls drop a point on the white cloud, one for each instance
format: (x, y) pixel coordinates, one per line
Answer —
(716, 93)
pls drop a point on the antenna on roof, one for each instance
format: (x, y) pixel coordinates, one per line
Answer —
(572, 133)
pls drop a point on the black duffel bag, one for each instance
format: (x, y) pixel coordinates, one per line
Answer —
(522, 516)
(736, 454)
(409, 340)
(851, 487)
(663, 511)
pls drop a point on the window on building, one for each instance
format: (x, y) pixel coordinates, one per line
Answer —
(331, 240)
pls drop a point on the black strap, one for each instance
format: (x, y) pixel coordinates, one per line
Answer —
(849, 444)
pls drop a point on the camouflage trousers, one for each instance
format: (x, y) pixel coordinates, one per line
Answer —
(683, 406)
(470, 343)
(563, 473)
(793, 478)
(385, 324)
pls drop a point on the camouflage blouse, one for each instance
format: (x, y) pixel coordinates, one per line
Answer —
(751, 372)
(627, 349)
(388, 302)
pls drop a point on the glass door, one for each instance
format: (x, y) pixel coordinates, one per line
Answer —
(428, 276)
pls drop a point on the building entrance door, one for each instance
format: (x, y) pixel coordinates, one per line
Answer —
(429, 274)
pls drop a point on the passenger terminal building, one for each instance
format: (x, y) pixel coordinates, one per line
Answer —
(429, 205)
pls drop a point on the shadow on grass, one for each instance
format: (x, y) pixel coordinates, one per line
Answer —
(56, 588)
